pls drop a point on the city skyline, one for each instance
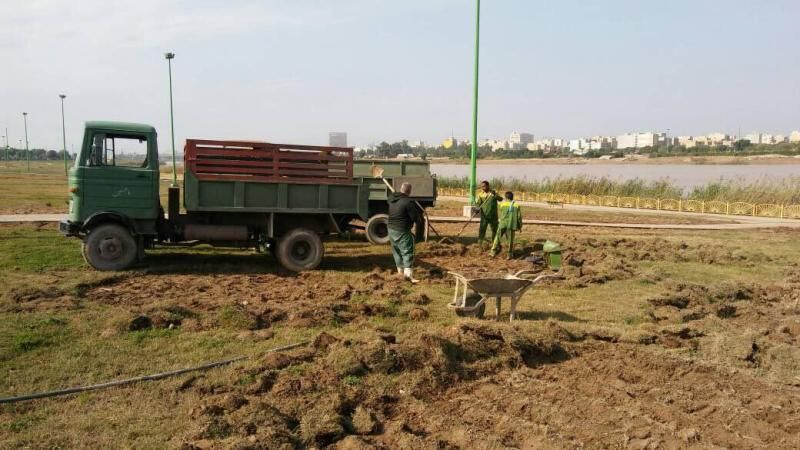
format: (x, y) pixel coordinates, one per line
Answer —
(290, 72)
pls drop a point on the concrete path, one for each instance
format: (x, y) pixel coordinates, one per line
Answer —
(744, 225)
(11, 218)
(644, 226)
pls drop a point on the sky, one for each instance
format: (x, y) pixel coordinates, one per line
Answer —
(290, 71)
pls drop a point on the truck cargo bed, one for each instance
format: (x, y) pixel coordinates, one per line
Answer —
(263, 177)
(267, 162)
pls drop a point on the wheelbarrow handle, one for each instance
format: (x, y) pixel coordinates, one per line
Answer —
(523, 273)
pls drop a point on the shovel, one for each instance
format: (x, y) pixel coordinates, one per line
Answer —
(377, 172)
(474, 215)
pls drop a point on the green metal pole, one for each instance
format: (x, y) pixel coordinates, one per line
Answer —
(27, 150)
(474, 153)
(170, 57)
(64, 134)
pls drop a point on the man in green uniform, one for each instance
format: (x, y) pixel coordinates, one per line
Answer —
(487, 204)
(510, 223)
(403, 214)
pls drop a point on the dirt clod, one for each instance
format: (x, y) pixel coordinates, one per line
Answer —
(363, 421)
(417, 314)
(140, 323)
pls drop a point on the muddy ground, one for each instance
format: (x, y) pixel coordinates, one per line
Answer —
(705, 365)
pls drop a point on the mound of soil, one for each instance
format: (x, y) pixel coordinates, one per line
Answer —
(497, 385)
(318, 395)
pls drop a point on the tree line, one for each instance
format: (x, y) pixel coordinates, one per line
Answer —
(462, 151)
(36, 154)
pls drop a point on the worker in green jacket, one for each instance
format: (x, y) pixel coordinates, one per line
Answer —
(487, 205)
(510, 223)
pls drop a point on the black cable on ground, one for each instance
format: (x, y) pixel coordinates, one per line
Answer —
(153, 377)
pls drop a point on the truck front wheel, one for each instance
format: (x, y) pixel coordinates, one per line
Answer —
(377, 229)
(109, 247)
(300, 250)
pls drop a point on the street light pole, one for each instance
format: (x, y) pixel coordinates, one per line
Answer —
(474, 153)
(64, 133)
(170, 56)
(27, 150)
(6, 138)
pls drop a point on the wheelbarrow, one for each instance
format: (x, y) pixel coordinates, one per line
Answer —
(513, 286)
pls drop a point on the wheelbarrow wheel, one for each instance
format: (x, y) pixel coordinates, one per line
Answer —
(472, 299)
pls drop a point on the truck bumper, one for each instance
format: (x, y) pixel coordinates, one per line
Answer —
(69, 228)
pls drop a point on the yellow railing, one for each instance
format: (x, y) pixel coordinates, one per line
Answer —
(663, 204)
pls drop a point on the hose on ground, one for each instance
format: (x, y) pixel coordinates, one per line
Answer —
(153, 377)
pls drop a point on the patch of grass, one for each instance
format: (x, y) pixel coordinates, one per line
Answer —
(31, 248)
(31, 334)
(235, 318)
(351, 380)
(142, 336)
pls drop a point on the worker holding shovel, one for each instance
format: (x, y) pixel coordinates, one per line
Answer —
(510, 223)
(487, 205)
(403, 213)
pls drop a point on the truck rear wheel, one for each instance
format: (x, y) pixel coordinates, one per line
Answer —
(377, 229)
(299, 250)
(110, 247)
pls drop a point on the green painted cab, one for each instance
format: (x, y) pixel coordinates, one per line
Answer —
(116, 172)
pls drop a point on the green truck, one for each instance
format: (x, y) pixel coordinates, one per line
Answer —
(271, 197)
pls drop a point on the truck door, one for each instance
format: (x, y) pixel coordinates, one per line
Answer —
(121, 175)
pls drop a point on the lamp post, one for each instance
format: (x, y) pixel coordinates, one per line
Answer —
(64, 133)
(170, 56)
(6, 139)
(473, 161)
(27, 150)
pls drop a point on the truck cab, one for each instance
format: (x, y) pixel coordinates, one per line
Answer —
(114, 190)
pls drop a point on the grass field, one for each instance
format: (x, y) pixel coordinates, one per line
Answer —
(43, 189)
(652, 339)
(616, 324)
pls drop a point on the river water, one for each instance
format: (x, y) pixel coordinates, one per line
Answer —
(683, 175)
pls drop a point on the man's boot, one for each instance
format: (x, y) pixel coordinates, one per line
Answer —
(409, 275)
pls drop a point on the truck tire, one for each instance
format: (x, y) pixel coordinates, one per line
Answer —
(377, 229)
(110, 247)
(299, 250)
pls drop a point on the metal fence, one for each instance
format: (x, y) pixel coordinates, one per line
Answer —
(661, 204)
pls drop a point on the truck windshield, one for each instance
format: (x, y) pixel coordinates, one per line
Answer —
(118, 150)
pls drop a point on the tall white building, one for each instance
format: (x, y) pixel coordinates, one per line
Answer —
(754, 137)
(578, 146)
(794, 137)
(640, 140)
(519, 141)
(718, 139)
(337, 139)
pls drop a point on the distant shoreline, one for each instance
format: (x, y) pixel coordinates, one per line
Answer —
(688, 160)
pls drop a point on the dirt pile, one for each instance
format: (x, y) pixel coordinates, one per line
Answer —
(255, 302)
(334, 388)
(744, 325)
(27, 299)
(492, 384)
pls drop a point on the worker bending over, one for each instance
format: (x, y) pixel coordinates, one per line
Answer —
(403, 213)
(487, 204)
(510, 223)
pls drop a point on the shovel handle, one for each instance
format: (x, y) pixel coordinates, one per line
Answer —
(425, 213)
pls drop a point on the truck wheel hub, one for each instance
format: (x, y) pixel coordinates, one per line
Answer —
(301, 250)
(110, 248)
